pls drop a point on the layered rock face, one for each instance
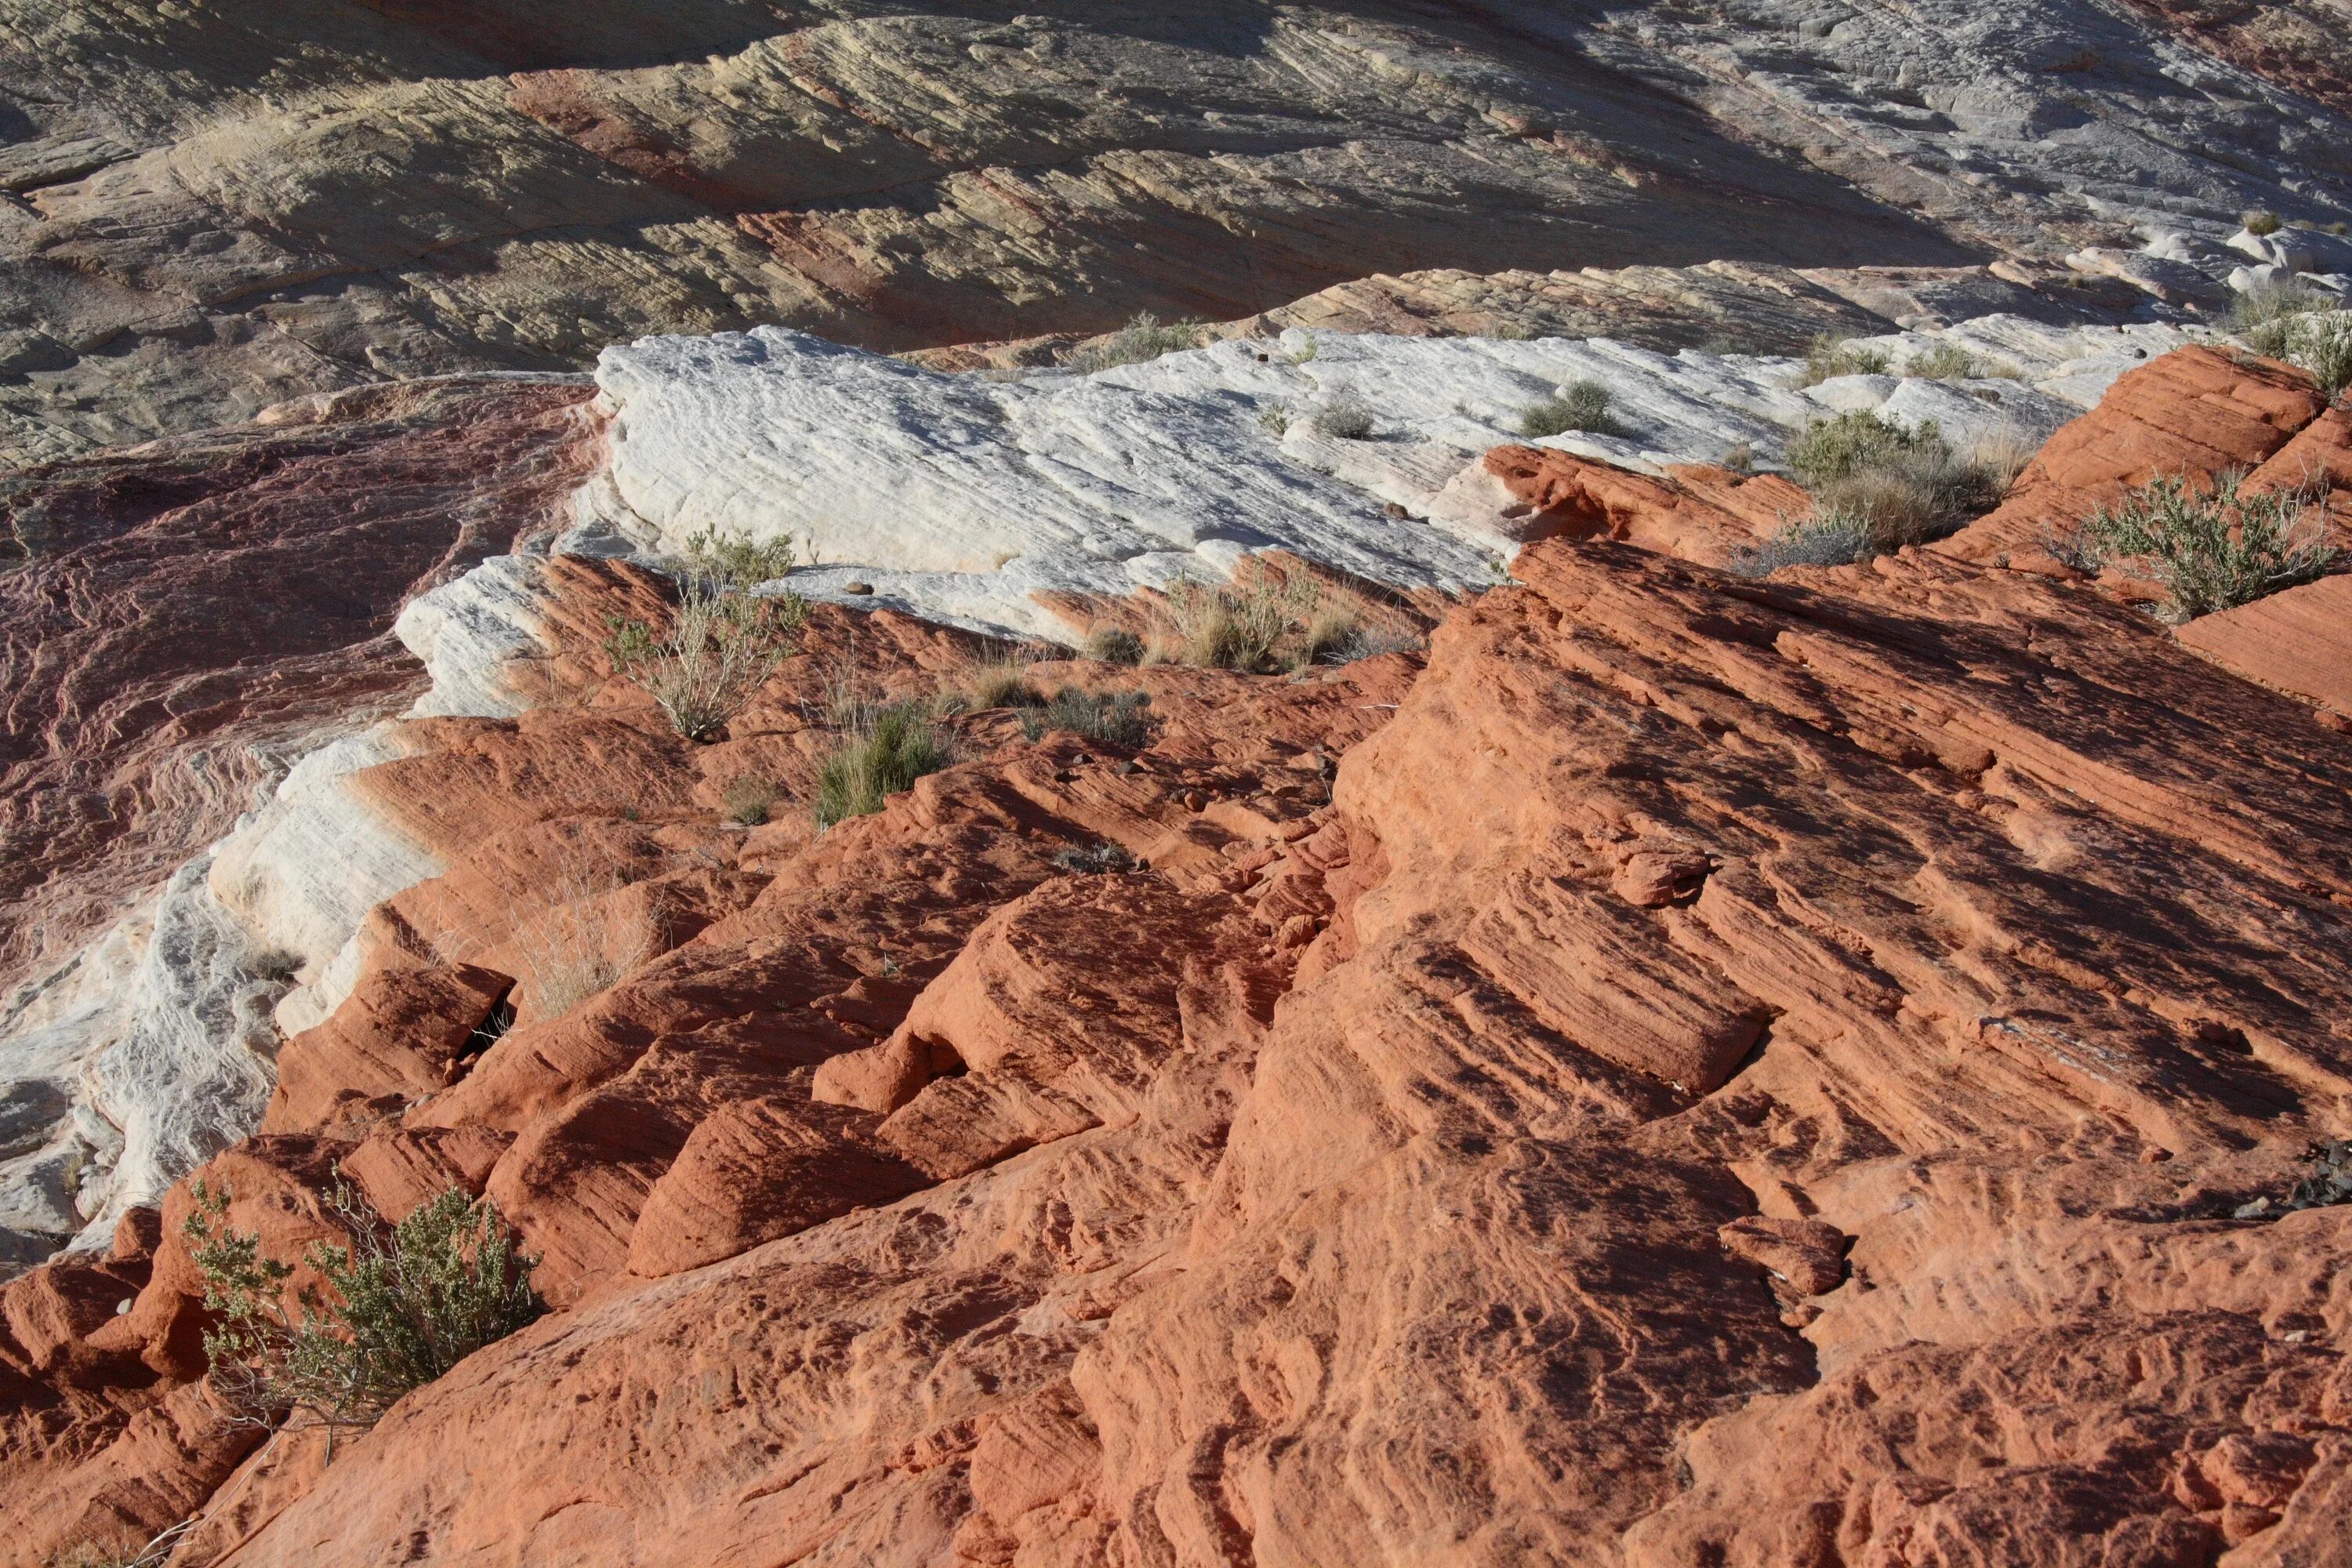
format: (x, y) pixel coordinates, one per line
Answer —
(182, 624)
(216, 209)
(1690, 1069)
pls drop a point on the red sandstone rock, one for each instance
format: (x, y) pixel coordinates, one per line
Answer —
(399, 1036)
(2297, 641)
(1698, 513)
(2197, 411)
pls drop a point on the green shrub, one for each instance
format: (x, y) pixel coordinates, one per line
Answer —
(2208, 550)
(1000, 680)
(2261, 315)
(402, 1305)
(1113, 644)
(750, 797)
(2261, 223)
(1825, 539)
(888, 749)
(1107, 718)
(723, 641)
(1242, 624)
(2319, 342)
(1848, 443)
(1143, 338)
(1831, 356)
(1949, 361)
(1580, 405)
(1344, 418)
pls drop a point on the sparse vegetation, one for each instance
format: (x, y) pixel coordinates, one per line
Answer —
(723, 640)
(2260, 315)
(2210, 549)
(1274, 419)
(1905, 484)
(887, 750)
(1239, 626)
(1344, 418)
(1104, 859)
(2302, 327)
(1825, 539)
(1580, 405)
(1739, 457)
(1949, 361)
(1828, 357)
(1113, 644)
(999, 680)
(750, 797)
(403, 1304)
(1106, 717)
(2259, 223)
(1143, 338)
(576, 945)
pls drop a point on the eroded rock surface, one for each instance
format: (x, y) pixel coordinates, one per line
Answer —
(205, 217)
(1719, 1071)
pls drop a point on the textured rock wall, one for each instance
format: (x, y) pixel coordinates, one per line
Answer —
(218, 207)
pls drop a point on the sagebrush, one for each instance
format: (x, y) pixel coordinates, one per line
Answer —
(2208, 549)
(1829, 357)
(1905, 484)
(1581, 405)
(402, 1305)
(1825, 539)
(723, 641)
(1144, 337)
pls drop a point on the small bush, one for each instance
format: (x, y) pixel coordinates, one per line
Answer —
(1826, 539)
(1580, 405)
(2208, 550)
(1848, 443)
(1106, 717)
(2260, 224)
(1274, 419)
(1828, 356)
(1000, 680)
(1949, 361)
(1102, 859)
(403, 1304)
(1344, 418)
(1113, 644)
(888, 749)
(2319, 342)
(723, 641)
(576, 945)
(1906, 485)
(1739, 457)
(750, 797)
(2262, 314)
(1240, 626)
(1143, 338)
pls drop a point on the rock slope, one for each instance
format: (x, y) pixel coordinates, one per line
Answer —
(1689, 1069)
(214, 209)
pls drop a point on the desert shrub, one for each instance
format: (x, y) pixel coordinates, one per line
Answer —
(723, 640)
(1143, 338)
(2264, 314)
(887, 749)
(750, 797)
(1949, 361)
(1345, 418)
(1828, 356)
(2261, 223)
(1239, 626)
(403, 1304)
(1848, 443)
(1825, 539)
(1094, 859)
(2319, 342)
(1580, 405)
(576, 945)
(1906, 485)
(2210, 549)
(1107, 718)
(1739, 457)
(1274, 419)
(1113, 644)
(999, 680)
